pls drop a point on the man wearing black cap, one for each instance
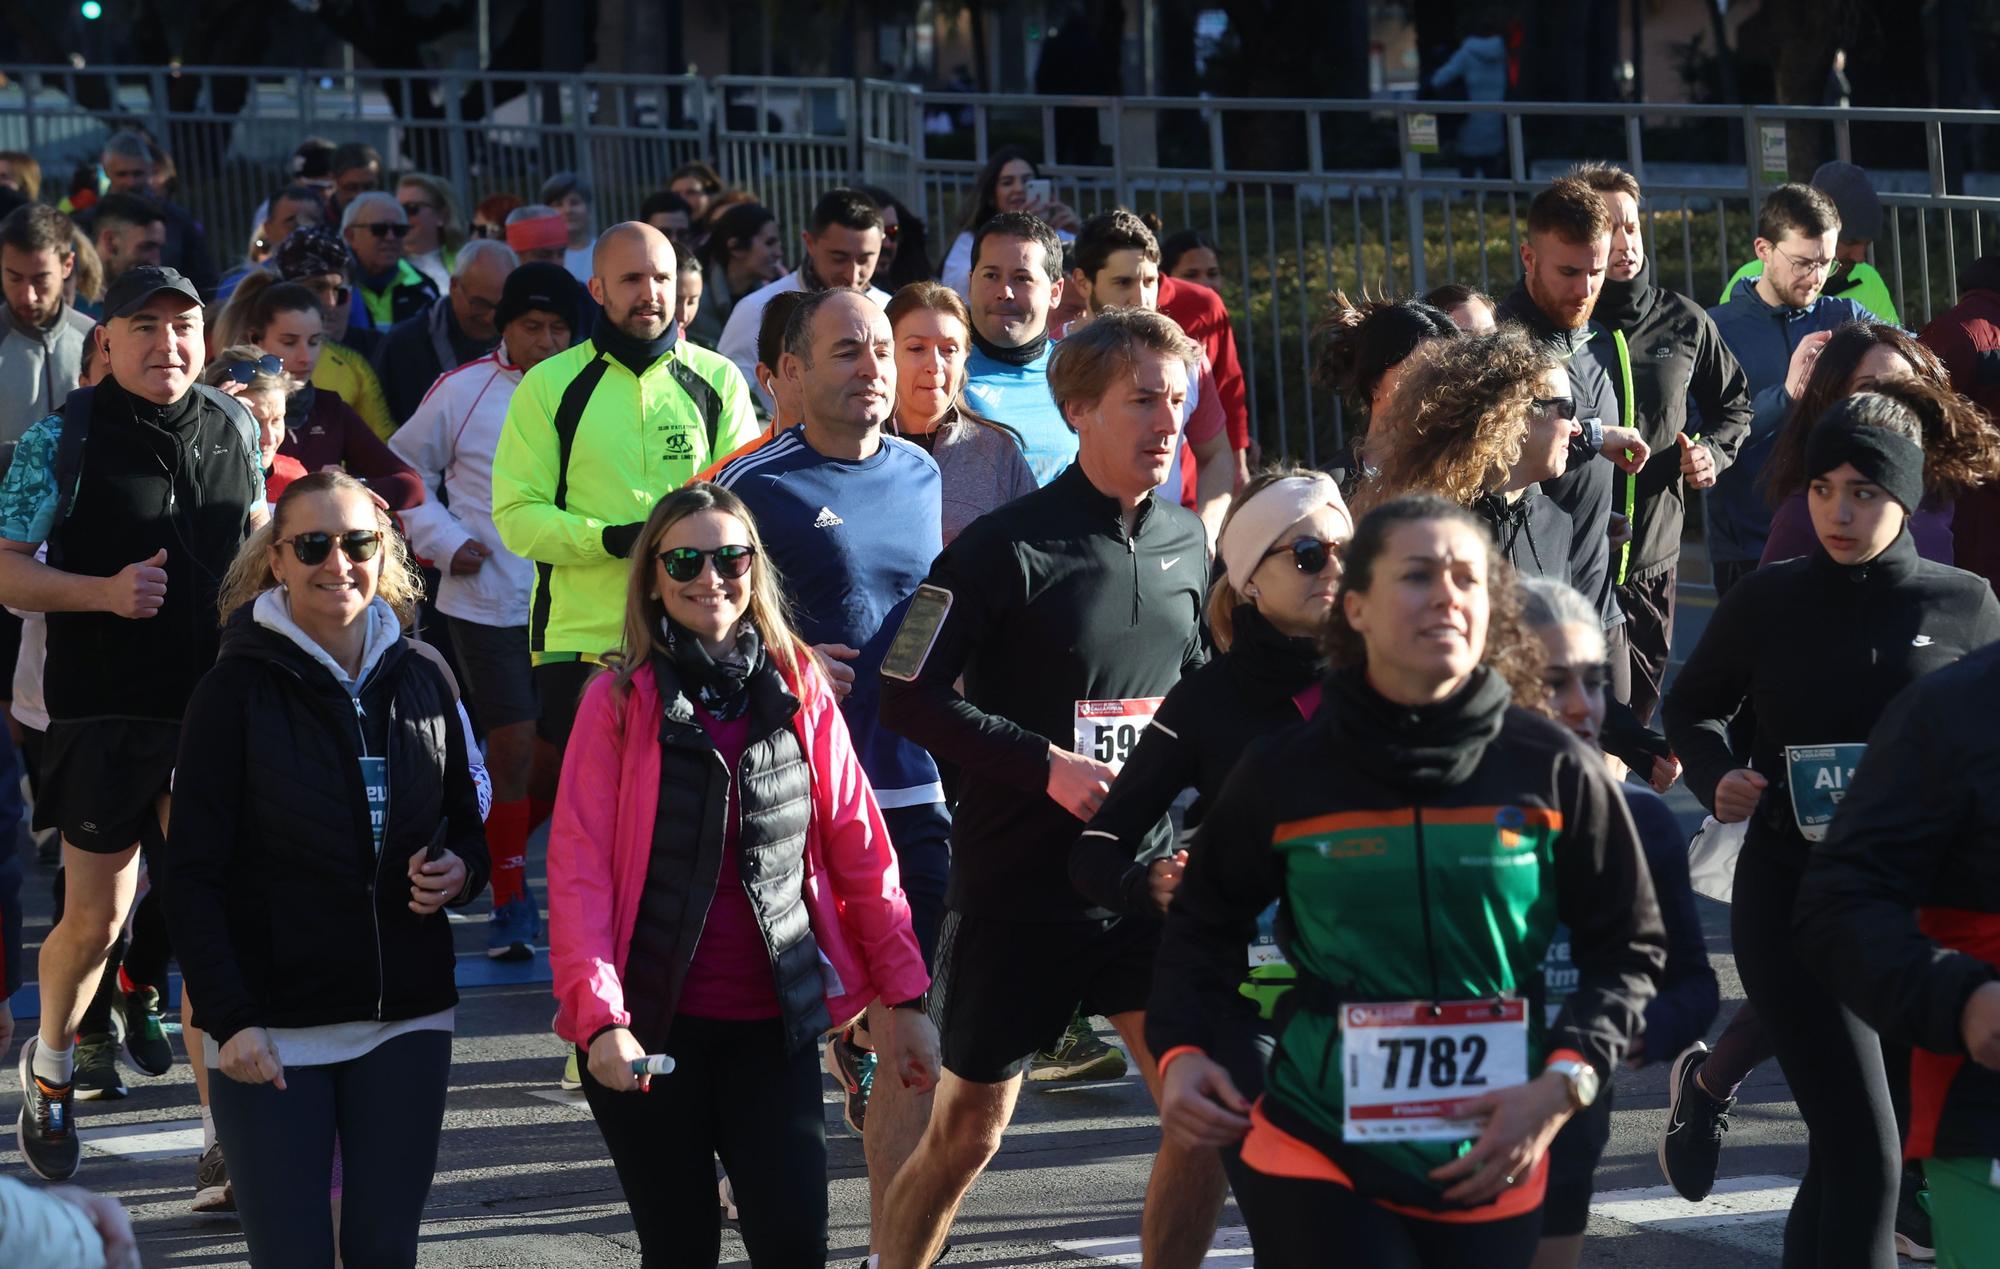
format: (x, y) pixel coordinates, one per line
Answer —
(143, 489)
(315, 257)
(485, 588)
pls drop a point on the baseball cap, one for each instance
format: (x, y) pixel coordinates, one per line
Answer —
(132, 288)
(544, 286)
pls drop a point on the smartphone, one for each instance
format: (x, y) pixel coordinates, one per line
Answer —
(1040, 193)
(918, 634)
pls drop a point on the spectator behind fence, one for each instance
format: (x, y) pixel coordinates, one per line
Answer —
(355, 169)
(454, 330)
(42, 335)
(387, 286)
(1002, 186)
(1016, 280)
(21, 173)
(129, 167)
(742, 253)
(570, 194)
(1481, 63)
(437, 231)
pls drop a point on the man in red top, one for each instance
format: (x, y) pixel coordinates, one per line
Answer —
(1202, 314)
(1966, 337)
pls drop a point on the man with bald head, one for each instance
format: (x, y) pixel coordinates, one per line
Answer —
(594, 437)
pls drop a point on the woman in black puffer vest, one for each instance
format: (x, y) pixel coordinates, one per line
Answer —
(324, 815)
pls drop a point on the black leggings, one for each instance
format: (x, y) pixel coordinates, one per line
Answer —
(388, 1106)
(1309, 1224)
(1845, 1211)
(735, 1092)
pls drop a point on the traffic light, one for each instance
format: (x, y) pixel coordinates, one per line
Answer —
(91, 10)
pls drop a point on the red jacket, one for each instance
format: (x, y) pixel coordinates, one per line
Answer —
(1966, 337)
(1202, 314)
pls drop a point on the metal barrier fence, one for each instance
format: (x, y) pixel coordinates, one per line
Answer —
(1303, 196)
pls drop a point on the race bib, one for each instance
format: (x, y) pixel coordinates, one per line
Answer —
(1265, 950)
(1559, 973)
(1109, 730)
(375, 779)
(1412, 1067)
(1818, 776)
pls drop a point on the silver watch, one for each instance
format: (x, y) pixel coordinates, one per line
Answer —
(1582, 1080)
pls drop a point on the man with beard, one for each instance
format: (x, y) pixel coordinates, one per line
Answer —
(41, 338)
(594, 436)
(1664, 346)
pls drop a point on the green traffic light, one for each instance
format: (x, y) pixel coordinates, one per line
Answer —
(91, 10)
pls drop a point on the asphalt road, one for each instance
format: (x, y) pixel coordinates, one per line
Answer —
(523, 1179)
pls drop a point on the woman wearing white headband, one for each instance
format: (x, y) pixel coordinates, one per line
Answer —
(1280, 547)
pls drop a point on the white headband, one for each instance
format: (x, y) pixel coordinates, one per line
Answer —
(1259, 520)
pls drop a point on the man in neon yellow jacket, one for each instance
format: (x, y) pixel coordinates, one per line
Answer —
(594, 437)
(1860, 224)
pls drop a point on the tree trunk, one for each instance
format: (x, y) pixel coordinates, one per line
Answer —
(1725, 56)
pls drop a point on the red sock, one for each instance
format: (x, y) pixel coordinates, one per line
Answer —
(507, 843)
(539, 813)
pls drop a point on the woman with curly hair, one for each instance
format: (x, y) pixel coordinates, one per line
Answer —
(1358, 353)
(1421, 835)
(1481, 421)
(1961, 445)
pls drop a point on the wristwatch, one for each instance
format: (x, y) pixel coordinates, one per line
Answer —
(1581, 1078)
(1593, 433)
(921, 1004)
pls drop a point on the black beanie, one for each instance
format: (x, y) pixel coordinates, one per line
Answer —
(1853, 431)
(542, 285)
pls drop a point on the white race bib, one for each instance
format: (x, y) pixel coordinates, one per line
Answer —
(1817, 776)
(1109, 730)
(1412, 1066)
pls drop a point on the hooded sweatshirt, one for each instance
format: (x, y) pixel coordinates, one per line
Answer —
(1482, 63)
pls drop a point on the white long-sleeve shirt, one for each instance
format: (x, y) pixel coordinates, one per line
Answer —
(450, 441)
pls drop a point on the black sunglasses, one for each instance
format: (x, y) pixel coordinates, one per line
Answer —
(383, 228)
(1563, 408)
(411, 209)
(684, 563)
(359, 545)
(246, 372)
(1309, 555)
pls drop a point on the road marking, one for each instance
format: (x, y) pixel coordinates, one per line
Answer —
(1739, 1200)
(178, 1138)
(1231, 1247)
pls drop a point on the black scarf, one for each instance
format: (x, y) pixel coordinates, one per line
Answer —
(1620, 305)
(1419, 749)
(1019, 355)
(635, 354)
(1263, 656)
(297, 406)
(720, 685)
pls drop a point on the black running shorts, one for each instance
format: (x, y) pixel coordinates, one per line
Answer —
(100, 781)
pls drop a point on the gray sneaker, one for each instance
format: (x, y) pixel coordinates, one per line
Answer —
(211, 1183)
(1078, 1056)
(46, 1129)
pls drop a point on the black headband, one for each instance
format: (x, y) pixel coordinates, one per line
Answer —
(1890, 460)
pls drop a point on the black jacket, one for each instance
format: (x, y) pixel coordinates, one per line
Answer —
(1202, 729)
(418, 349)
(773, 788)
(1584, 491)
(281, 911)
(1818, 649)
(1900, 905)
(1672, 354)
(1534, 534)
(1052, 604)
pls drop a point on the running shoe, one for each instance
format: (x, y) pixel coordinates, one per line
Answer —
(572, 1079)
(212, 1191)
(1691, 1141)
(1914, 1240)
(853, 1068)
(511, 931)
(136, 1015)
(96, 1074)
(1078, 1056)
(46, 1129)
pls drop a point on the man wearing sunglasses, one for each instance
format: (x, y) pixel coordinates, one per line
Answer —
(390, 287)
(1775, 324)
(315, 257)
(449, 333)
(143, 488)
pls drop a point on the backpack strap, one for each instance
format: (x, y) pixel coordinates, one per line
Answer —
(236, 412)
(68, 468)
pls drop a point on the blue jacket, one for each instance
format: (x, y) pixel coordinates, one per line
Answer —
(1482, 63)
(1762, 339)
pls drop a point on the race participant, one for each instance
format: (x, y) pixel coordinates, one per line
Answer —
(1966, 338)
(1116, 264)
(721, 892)
(1896, 908)
(1563, 261)
(485, 589)
(841, 248)
(1961, 448)
(1280, 547)
(321, 429)
(1866, 617)
(850, 520)
(1006, 184)
(1852, 277)
(1358, 353)
(1016, 281)
(1203, 317)
(1775, 325)
(1070, 613)
(1575, 675)
(980, 465)
(137, 546)
(41, 334)
(1664, 354)
(593, 437)
(260, 381)
(1470, 309)
(742, 252)
(1192, 256)
(315, 257)
(1420, 741)
(324, 756)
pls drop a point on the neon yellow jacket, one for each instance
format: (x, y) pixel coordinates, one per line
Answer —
(1862, 283)
(630, 441)
(348, 373)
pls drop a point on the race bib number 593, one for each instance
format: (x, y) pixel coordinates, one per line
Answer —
(1109, 730)
(1412, 1066)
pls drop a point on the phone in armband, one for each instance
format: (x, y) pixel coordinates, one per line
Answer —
(918, 634)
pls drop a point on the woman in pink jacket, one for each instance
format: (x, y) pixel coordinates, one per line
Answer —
(721, 891)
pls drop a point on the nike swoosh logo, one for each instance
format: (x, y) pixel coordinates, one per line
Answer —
(1167, 564)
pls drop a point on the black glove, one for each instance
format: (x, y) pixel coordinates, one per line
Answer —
(619, 539)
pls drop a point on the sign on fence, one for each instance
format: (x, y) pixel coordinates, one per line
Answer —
(1776, 160)
(1423, 132)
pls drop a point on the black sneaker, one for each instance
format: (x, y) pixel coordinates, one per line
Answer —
(144, 1032)
(1691, 1140)
(1914, 1240)
(46, 1129)
(1078, 1056)
(212, 1192)
(96, 1074)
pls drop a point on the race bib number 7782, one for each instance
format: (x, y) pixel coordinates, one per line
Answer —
(1413, 1066)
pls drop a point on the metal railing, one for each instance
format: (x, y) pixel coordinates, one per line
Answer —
(1303, 196)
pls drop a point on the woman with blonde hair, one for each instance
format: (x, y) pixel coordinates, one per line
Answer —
(324, 773)
(722, 890)
(258, 379)
(437, 228)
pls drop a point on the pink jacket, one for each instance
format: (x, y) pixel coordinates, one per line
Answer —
(602, 834)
